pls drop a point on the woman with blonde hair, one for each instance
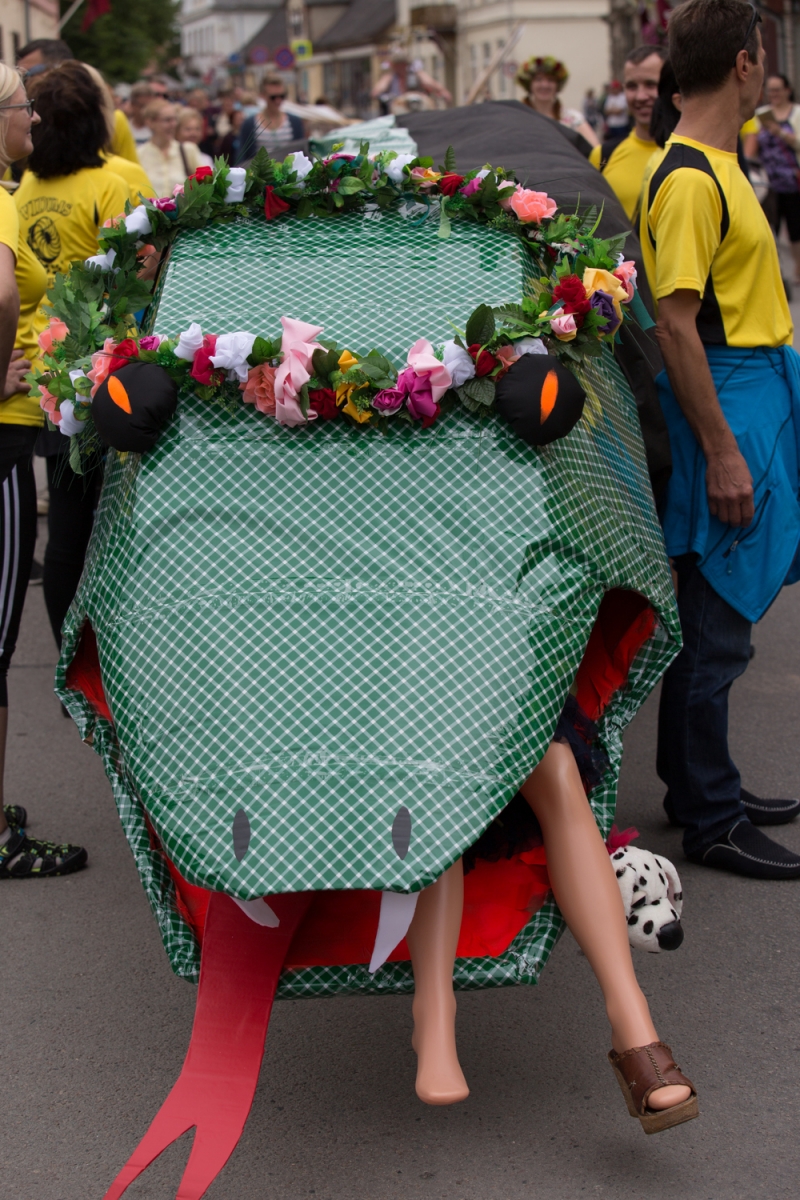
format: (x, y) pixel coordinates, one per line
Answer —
(127, 168)
(166, 160)
(22, 284)
(190, 129)
(542, 79)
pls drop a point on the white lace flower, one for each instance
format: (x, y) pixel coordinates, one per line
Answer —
(189, 342)
(231, 354)
(138, 222)
(104, 261)
(458, 363)
(394, 169)
(237, 181)
(69, 423)
(530, 345)
(301, 163)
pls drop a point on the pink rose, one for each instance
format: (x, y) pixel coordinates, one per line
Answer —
(563, 326)
(531, 207)
(101, 364)
(178, 189)
(508, 356)
(297, 347)
(469, 189)
(56, 331)
(424, 363)
(202, 366)
(260, 388)
(152, 342)
(507, 191)
(49, 404)
(165, 204)
(627, 271)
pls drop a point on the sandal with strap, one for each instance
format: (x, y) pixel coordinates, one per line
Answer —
(30, 858)
(16, 815)
(640, 1072)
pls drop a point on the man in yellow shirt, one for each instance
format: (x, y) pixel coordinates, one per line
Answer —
(623, 162)
(731, 400)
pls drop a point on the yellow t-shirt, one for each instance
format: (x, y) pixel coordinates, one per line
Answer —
(123, 142)
(31, 282)
(625, 169)
(133, 174)
(60, 218)
(702, 228)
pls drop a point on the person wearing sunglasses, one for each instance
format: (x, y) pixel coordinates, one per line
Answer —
(22, 284)
(271, 128)
(731, 399)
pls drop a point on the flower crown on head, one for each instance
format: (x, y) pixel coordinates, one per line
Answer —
(542, 66)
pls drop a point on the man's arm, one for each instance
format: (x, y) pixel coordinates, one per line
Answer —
(9, 312)
(729, 484)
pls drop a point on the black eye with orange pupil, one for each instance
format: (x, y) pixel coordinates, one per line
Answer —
(541, 400)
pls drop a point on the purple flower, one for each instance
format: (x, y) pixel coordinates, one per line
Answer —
(166, 204)
(417, 389)
(389, 400)
(470, 188)
(604, 304)
(150, 343)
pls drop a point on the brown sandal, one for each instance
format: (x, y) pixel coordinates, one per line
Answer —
(643, 1070)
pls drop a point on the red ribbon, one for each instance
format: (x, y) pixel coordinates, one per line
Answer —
(273, 204)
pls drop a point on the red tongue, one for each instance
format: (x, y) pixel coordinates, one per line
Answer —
(239, 973)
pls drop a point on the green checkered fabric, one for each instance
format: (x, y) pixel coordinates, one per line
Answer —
(315, 628)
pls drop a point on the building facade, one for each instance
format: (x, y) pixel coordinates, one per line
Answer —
(23, 20)
(213, 31)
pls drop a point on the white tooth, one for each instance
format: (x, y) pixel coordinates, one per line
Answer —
(397, 913)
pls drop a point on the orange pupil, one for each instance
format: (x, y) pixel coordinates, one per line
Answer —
(547, 400)
(116, 391)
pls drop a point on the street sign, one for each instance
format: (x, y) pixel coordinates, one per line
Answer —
(259, 54)
(301, 48)
(284, 58)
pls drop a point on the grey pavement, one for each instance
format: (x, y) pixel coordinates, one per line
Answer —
(95, 1026)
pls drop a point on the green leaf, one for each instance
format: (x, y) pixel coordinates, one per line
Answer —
(350, 185)
(480, 326)
(263, 350)
(75, 455)
(481, 391)
(449, 160)
(325, 362)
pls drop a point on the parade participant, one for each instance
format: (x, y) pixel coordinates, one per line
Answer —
(67, 193)
(730, 395)
(542, 80)
(166, 161)
(778, 140)
(623, 162)
(190, 129)
(141, 95)
(272, 127)
(22, 285)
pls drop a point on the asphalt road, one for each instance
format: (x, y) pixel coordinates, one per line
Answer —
(95, 1026)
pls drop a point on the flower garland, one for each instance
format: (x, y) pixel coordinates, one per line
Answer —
(579, 294)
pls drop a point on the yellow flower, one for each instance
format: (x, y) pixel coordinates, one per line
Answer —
(357, 413)
(344, 391)
(597, 280)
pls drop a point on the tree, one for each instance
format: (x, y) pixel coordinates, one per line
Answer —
(622, 21)
(136, 34)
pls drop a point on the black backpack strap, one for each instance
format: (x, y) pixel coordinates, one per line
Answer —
(709, 319)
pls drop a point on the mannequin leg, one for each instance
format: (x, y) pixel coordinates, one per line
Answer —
(432, 939)
(586, 891)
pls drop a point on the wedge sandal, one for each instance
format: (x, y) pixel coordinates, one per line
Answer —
(640, 1072)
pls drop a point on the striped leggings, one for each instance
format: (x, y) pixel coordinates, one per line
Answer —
(17, 536)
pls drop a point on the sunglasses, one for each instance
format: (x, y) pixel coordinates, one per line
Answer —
(276, 96)
(30, 105)
(754, 20)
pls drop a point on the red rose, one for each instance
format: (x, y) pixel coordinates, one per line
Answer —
(202, 368)
(449, 184)
(485, 362)
(428, 421)
(323, 402)
(123, 353)
(273, 205)
(202, 173)
(572, 294)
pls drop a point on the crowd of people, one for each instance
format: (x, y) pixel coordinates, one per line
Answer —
(678, 136)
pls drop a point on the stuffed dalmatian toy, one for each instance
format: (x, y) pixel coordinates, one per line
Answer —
(651, 893)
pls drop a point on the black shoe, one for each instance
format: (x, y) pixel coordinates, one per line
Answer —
(757, 811)
(16, 815)
(769, 812)
(745, 850)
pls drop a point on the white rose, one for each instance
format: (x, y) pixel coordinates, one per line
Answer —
(189, 342)
(394, 169)
(530, 345)
(104, 261)
(231, 354)
(301, 163)
(237, 181)
(458, 363)
(138, 222)
(69, 424)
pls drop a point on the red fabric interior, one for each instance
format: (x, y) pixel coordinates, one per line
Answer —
(499, 898)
